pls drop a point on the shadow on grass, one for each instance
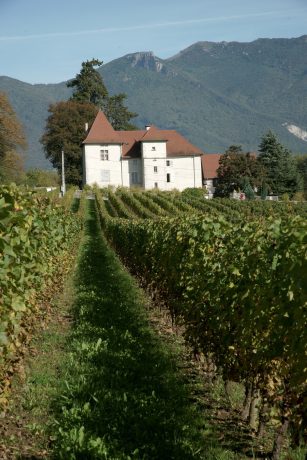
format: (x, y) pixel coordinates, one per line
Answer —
(124, 397)
(75, 205)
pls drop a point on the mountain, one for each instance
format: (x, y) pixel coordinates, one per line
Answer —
(215, 94)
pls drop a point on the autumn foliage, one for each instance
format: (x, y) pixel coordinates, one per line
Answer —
(12, 141)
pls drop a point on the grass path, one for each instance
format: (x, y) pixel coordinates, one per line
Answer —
(107, 379)
(124, 398)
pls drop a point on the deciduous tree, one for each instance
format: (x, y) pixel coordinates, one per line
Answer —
(12, 141)
(65, 125)
(237, 171)
(65, 131)
(11, 167)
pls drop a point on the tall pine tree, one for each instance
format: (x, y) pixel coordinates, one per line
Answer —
(281, 168)
(89, 87)
(65, 125)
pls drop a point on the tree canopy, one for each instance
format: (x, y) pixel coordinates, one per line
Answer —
(89, 88)
(12, 140)
(41, 178)
(280, 165)
(11, 168)
(88, 85)
(302, 168)
(118, 114)
(238, 171)
(65, 125)
(274, 170)
(65, 130)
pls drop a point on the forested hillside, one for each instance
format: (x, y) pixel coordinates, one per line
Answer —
(216, 94)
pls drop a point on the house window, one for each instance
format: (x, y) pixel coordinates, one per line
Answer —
(104, 155)
(168, 163)
(168, 177)
(156, 184)
(134, 178)
(155, 169)
(153, 148)
(105, 175)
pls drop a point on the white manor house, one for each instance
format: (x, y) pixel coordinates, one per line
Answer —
(149, 158)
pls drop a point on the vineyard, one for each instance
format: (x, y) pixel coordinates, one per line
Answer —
(156, 204)
(36, 233)
(231, 274)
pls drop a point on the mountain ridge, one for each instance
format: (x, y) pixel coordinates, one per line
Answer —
(214, 93)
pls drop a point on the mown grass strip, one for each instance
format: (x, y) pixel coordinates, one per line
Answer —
(124, 398)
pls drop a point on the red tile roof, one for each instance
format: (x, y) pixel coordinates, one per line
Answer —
(102, 132)
(177, 145)
(154, 134)
(130, 140)
(210, 163)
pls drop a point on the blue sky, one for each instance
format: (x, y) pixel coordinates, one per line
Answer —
(45, 41)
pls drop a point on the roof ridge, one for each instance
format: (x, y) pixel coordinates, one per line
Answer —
(102, 130)
(153, 131)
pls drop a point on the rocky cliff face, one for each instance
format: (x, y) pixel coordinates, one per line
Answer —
(296, 131)
(146, 60)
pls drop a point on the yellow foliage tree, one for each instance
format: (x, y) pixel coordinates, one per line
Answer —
(12, 140)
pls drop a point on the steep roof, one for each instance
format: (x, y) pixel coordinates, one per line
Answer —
(177, 145)
(210, 163)
(102, 132)
(131, 143)
(153, 134)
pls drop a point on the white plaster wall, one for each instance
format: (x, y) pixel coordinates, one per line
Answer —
(154, 150)
(184, 172)
(154, 156)
(130, 166)
(94, 166)
(150, 176)
(208, 184)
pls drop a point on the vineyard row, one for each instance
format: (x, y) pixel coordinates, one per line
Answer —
(239, 291)
(128, 204)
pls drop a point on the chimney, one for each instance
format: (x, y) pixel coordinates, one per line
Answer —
(147, 127)
(86, 127)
